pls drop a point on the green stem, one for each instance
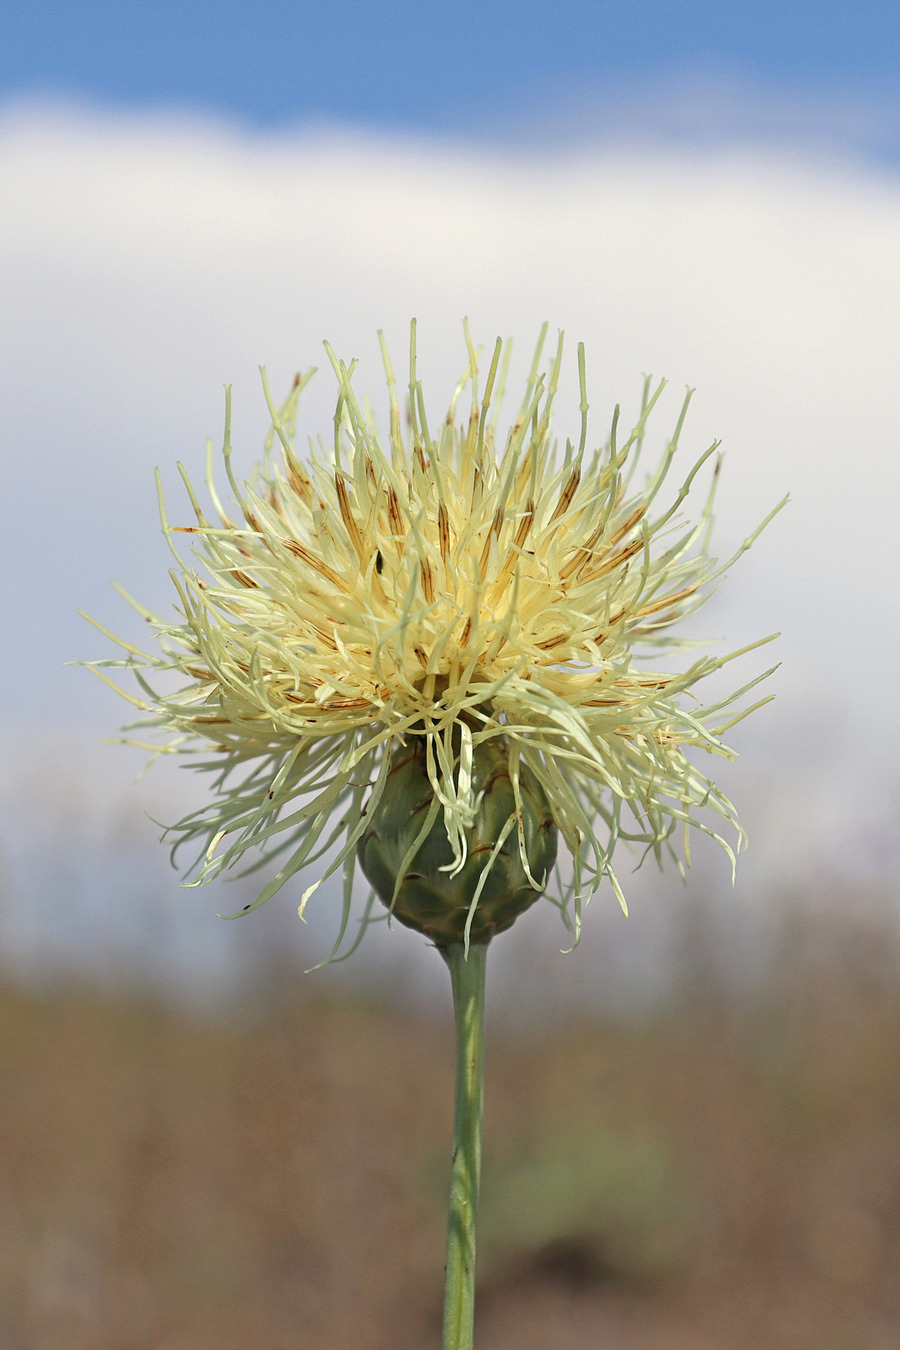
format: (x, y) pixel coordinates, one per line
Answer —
(467, 975)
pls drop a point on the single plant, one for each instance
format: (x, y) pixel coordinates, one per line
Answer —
(430, 656)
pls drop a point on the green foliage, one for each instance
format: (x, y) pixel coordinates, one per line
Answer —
(616, 1194)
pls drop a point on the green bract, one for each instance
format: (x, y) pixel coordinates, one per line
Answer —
(406, 855)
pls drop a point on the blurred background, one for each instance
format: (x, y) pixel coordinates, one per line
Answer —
(205, 1148)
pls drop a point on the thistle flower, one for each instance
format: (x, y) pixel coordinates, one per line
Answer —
(471, 606)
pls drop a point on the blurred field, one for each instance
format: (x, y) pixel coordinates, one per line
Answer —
(724, 1175)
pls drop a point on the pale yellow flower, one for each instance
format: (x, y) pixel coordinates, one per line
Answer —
(452, 584)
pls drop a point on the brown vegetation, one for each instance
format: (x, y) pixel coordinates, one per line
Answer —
(720, 1177)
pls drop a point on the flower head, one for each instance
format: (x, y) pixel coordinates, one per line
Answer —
(453, 590)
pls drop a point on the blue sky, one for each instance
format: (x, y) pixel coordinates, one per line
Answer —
(477, 70)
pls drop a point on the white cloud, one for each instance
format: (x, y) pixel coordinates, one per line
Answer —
(143, 263)
(711, 102)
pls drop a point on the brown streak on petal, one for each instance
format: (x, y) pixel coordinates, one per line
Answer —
(614, 562)
(582, 555)
(485, 555)
(244, 579)
(301, 488)
(667, 601)
(320, 519)
(611, 623)
(421, 656)
(568, 493)
(493, 532)
(444, 533)
(394, 515)
(627, 525)
(347, 516)
(549, 643)
(524, 474)
(512, 553)
(300, 551)
(298, 477)
(330, 705)
(427, 581)
(324, 636)
(525, 524)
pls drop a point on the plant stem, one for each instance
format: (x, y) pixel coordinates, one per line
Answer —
(467, 975)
